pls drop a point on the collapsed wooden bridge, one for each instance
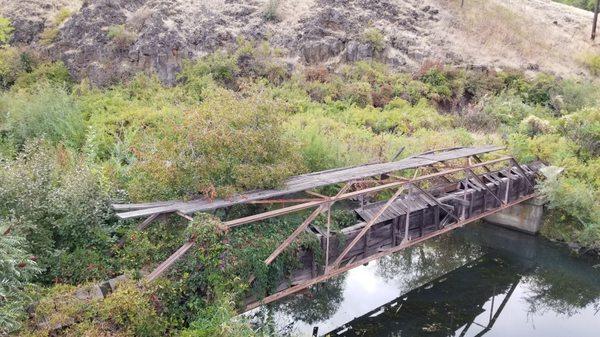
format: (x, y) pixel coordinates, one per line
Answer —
(444, 190)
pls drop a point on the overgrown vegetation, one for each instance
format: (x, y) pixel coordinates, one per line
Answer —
(6, 30)
(592, 62)
(236, 120)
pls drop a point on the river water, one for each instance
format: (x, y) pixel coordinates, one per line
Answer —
(481, 280)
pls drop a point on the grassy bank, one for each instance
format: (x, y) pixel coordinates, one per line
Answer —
(236, 120)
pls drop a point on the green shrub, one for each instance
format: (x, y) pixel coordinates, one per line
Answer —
(51, 31)
(509, 109)
(398, 116)
(584, 4)
(45, 111)
(358, 93)
(59, 205)
(575, 204)
(533, 126)
(575, 95)
(239, 147)
(222, 68)
(10, 66)
(55, 73)
(592, 62)
(130, 310)
(583, 127)
(6, 30)
(375, 38)
(220, 320)
(271, 10)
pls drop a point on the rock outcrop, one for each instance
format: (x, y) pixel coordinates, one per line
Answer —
(109, 40)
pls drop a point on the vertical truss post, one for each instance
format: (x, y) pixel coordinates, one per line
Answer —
(509, 175)
(406, 223)
(327, 239)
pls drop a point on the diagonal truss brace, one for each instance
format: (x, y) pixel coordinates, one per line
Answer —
(367, 227)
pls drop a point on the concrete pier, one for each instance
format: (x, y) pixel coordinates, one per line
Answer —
(525, 217)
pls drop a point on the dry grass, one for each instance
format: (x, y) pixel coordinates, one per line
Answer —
(501, 28)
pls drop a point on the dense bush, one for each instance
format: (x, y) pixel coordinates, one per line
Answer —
(60, 206)
(6, 30)
(225, 144)
(46, 111)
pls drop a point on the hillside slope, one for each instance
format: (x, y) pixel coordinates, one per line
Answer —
(107, 40)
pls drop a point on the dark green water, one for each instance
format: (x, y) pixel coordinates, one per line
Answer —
(479, 281)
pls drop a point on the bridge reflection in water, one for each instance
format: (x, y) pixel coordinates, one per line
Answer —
(482, 280)
(443, 306)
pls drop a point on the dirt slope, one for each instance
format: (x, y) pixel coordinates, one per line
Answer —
(158, 34)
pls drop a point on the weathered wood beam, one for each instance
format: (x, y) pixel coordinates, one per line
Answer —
(294, 235)
(483, 184)
(353, 194)
(170, 261)
(367, 226)
(185, 216)
(406, 222)
(434, 199)
(282, 201)
(147, 222)
(319, 195)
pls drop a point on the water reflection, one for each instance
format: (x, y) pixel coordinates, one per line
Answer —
(483, 280)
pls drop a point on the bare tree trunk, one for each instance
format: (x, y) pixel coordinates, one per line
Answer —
(595, 19)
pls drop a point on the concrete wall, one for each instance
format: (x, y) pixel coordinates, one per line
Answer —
(526, 216)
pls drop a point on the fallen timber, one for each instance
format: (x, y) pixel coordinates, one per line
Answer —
(449, 189)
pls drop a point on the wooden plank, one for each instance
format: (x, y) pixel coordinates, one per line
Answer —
(449, 211)
(147, 222)
(309, 181)
(482, 184)
(170, 261)
(367, 226)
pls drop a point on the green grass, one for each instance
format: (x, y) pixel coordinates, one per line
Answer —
(583, 4)
(592, 62)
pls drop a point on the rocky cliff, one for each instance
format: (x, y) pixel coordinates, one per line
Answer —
(108, 40)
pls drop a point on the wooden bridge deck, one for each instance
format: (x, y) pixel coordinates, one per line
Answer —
(449, 188)
(300, 183)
